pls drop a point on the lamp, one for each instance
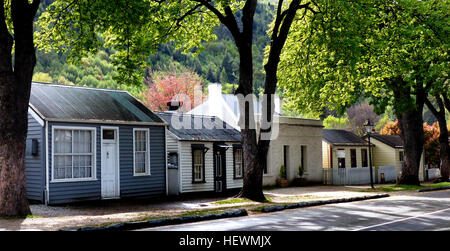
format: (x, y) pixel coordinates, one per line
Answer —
(369, 126)
(369, 129)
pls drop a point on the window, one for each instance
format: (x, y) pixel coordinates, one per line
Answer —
(285, 160)
(172, 160)
(353, 157)
(198, 161)
(340, 154)
(364, 157)
(401, 156)
(141, 152)
(303, 157)
(109, 134)
(73, 154)
(238, 163)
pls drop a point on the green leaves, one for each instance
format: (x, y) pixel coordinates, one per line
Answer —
(132, 29)
(366, 47)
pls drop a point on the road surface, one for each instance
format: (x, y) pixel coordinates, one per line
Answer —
(424, 211)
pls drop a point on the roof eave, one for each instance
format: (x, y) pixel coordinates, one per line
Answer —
(118, 122)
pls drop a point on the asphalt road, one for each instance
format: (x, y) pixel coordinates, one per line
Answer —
(424, 211)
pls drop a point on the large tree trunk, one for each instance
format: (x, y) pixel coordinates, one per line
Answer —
(254, 161)
(15, 86)
(410, 123)
(444, 148)
(411, 132)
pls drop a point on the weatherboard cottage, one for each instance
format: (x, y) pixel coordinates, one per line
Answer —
(204, 154)
(91, 144)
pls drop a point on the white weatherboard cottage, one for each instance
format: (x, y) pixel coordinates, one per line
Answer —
(298, 142)
(204, 155)
(389, 152)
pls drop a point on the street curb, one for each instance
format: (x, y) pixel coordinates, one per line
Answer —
(161, 222)
(433, 189)
(271, 209)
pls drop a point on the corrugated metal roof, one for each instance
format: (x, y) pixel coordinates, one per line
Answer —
(391, 140)
(74, 103)
(199, 128)
(342, 137)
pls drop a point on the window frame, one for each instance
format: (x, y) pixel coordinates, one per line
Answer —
(303, 157)
(198, 147)
(364, 157)
(147, 167)
(94, 153)
(235, 149)
(401, 156)
(353, 158)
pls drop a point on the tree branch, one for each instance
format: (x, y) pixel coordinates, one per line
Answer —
(433, 110)
(228, 19)
(6, 42)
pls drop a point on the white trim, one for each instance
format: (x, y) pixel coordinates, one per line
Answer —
(94, 154)
(96, 121)
(148, 172)
(180, 168)
(117, 142)
(47, 172)
(36, 116)
(166, 156)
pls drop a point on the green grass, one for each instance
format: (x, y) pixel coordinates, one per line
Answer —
(29, 216)
(232, 201)
(237, 200)
(397, 188)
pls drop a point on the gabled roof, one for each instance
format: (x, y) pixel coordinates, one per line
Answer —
(189, 127)
(391, 140)
(81, 104)
(342, 138)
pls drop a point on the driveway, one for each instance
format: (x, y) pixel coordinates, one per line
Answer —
(424, 211)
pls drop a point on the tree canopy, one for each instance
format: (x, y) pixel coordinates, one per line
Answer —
(364, 48)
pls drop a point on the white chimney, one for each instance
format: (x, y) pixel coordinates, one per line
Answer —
(214, 91)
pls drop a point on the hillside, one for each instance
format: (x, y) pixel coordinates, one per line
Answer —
(217, 63)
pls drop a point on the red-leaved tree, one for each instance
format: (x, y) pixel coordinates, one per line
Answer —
(431, 137)
(163, 87)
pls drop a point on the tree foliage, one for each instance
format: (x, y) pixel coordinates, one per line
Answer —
(360, 48)
(164, 87)
(431, 135)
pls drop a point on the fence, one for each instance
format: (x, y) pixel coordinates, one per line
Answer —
(434, 173)
(359, 175)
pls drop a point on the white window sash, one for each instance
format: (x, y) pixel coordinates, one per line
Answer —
(92, 154)
(198, 166)
(146, 152)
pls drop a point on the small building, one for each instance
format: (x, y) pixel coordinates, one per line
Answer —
(298, 144)
(204, 154)
(298, 141)
(389, 152)
(343, 149)
(90, 144)
(345, 158)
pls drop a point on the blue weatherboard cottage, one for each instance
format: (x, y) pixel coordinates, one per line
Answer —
(91, 144)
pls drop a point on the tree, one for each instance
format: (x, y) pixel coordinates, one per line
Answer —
(431, 139)
(439, 113)
(16, 72)
(136, 28)
(392, 52)
(332, 122)
(358, 115)
(163, 87)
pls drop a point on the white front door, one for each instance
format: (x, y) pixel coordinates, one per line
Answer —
(110, 170)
